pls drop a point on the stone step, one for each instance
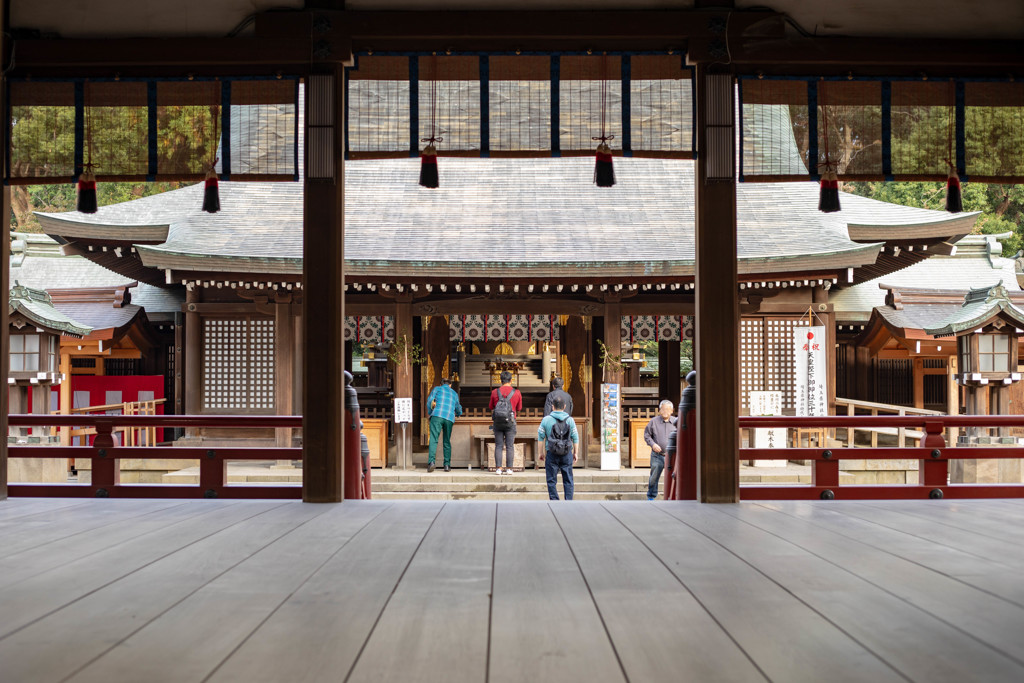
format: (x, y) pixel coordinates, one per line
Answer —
(502, 486)
(497, 495)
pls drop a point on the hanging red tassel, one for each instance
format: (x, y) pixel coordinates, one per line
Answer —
(86, 202)
(954, 197)
(828, 197)
(604, 172)
(211, 193)
(428, 167)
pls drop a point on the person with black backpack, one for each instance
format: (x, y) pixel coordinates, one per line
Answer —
(505, 404)
(561, 441)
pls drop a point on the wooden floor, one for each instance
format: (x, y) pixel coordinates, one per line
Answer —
(153, 591)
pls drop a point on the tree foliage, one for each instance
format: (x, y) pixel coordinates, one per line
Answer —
(42, 143)
(1002, 206)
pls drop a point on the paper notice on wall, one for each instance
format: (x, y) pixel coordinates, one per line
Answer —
(767, 403)
(811, 371)
(403, 410)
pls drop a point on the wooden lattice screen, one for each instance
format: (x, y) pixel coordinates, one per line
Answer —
(767, 358)
(520, 105)
(238, 364)
(150, 130)
(881, 129)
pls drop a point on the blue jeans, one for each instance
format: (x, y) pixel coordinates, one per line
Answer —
(505, 439)
(657, 465)
(553, 464)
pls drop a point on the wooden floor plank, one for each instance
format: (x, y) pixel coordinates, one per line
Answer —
(48, 591)
(92, 625)
(542, 606)
(13, 508)
(218, 617)
(61, 524)
(979, 561)
(967, 631)
(94, 542)
(317, 633)
(762, 616)
(434, 628)
(981, 517)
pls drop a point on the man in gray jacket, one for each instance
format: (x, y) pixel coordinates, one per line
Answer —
(557, 392)
(656, 435)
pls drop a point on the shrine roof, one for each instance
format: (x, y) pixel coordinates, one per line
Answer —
(535, 216)
(977, 262)
(36, 261)
(979, 307)
(36, 305)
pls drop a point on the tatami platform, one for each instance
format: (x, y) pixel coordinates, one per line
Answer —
(154, 591)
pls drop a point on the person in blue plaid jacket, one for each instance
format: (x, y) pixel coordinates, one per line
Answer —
(444, 406)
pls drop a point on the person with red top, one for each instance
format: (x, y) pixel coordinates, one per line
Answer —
(505, 404)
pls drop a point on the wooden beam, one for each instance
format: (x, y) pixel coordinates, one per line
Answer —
(323, 311)
(717, 321)
(612, 337)
(5, 271)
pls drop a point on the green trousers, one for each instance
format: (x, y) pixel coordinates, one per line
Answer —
(440, 427)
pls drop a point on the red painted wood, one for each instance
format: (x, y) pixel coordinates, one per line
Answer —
(825, 473)
(686, 460)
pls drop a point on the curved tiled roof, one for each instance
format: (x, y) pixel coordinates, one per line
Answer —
(493, 214)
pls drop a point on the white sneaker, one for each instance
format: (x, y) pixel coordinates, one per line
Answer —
(508, 470)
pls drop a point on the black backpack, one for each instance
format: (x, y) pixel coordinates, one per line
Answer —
(503, 416)
(560, 438)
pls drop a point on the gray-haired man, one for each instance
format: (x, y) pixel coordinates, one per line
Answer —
(656, 435)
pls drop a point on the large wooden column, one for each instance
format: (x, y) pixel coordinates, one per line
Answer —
(193, 358)
(612, 337)
(323, 301)
(717, 320)
(284, 348)
(403, 380)
(668, 371)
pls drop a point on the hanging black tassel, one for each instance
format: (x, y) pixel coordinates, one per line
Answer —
(604, 172)
(828, 197)
(86, 202)
(211, 193)
(954, 198)
(428, 167)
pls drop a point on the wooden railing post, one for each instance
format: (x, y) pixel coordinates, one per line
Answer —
(934, 471)
(106, 470)
(211, 475)
(826, 471)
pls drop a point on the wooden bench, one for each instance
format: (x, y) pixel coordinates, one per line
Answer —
(521, 437)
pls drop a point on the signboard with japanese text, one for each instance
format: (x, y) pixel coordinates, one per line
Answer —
(767, 403)
(611, 420)
(403, 410)
(811, 371)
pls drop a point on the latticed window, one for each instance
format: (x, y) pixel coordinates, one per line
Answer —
(766, 358)
(238, 363)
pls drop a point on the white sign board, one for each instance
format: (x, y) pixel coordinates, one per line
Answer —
(611, 430)
(811, 371)
(403, 410)
(767, 403)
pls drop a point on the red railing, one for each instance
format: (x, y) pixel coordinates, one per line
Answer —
(933, 455)
(105, 457)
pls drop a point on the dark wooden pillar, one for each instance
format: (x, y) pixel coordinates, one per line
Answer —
(668, 371)
(193, 358)
(403, 379)
(717, 320)
(323, 297)
(5, 265)
(612, 337)
(573, 366)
